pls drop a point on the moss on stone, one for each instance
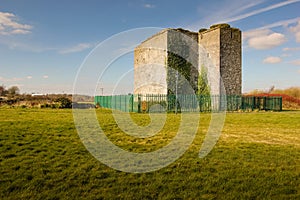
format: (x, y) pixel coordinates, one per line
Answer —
(182, 30)
(202, 30)
(220, 26)
(235, 29)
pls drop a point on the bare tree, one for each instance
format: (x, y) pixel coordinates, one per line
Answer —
(272, 88)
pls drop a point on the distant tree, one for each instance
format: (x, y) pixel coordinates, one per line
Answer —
(203, 87)
(2, 90)
(13, 90)
(292, 91)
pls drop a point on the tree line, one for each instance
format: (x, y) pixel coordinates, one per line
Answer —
(11, 96)
(9, 92)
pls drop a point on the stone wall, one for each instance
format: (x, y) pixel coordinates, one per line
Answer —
(223, 46)
(210, 42)
(150, 74)
(182, 57)
(231, 60)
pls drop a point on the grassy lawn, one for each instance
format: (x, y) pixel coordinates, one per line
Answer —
(256, 157)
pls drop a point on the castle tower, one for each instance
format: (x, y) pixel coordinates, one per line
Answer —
(157, 59)
(150, 58)
(223, 45)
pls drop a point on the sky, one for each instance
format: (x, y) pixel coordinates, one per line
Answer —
(43, 44)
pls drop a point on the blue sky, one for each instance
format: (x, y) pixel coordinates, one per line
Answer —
(43, 43)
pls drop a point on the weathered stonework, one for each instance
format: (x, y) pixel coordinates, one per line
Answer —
(149, 65)
(223, 46)
(157, 59)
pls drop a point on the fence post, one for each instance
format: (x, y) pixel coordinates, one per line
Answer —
(280, 103)
(265, 103)
(132, 103)
(139, 103)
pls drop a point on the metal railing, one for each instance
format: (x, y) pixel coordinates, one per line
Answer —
(187, 103)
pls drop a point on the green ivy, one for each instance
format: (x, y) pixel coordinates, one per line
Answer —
(177, 63)
(203, 87)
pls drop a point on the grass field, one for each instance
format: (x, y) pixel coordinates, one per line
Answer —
(256, 157)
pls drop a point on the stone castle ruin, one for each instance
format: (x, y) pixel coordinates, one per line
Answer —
(177, 70)
(179, 61)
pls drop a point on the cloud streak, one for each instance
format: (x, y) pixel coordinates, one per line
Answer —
(223, 9)
(291, 49)
(14, 79)
(9, 25)
(295, 62)
(279, 23)
(77, 48)
(296, 31)
(272, 60)
(258, 11)
(235, 10)
(147, 5)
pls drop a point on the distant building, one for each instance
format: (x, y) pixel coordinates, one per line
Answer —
(37, 94)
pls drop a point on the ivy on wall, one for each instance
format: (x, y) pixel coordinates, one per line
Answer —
(203, 87)
(177, 63)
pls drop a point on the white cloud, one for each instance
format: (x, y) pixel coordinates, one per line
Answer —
(76, 48)
(9, 25)
(254, 33)
(295, 62)
(264, 39)
(45, 76)
(296, 31)
(147, 5)
(272, 60)
(20, 31)
(291, 49)
(29, 77)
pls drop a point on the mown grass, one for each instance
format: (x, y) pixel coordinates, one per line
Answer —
(256, 157)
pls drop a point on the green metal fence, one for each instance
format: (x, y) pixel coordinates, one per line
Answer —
(187, 103)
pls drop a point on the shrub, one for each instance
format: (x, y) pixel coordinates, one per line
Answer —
(64, 102)
(55, 105)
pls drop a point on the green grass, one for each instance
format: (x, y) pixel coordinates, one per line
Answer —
(256, 157)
